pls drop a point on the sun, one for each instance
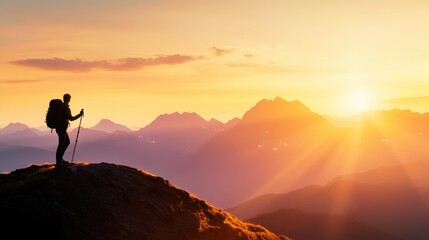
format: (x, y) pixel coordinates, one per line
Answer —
(360, 100)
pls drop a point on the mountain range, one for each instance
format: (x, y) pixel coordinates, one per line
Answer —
(279, 161)
(394, 200)
(153, 147)
(313, 226)
(277, 146)
(109, 126)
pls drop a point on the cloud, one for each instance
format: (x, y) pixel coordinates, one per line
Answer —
(123, 64)
(220, 52)
(74, 65)
(19, 81)
(408, 100)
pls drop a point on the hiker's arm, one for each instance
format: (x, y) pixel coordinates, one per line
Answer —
(72, 118)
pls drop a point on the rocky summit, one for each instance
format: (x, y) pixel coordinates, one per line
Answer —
(106, 201)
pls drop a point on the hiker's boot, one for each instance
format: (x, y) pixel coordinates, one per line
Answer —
(62, 162)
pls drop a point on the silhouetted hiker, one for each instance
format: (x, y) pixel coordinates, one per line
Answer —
(61, 129)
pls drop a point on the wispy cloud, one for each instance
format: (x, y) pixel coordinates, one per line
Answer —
(123, 64)
(19, 81)
(408, 100)
(220, 52)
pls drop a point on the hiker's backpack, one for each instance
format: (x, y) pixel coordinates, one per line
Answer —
(55, 115)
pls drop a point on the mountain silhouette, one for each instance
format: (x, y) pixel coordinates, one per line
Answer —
(106, 201)
(232, 123)
(183, 132)
(413, 174)
(280, 110)
(393, 199)
(270, 136)
(111, 148)
(185, 120)
(312, 226)
(279, 146)
(20, 156)
(12, 128)
(109, 126)
(276, 147)
(25, 135)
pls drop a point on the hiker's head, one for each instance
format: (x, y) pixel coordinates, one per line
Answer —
(66, 98)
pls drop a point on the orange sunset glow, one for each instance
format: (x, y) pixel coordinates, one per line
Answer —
(130, 61)
(238, 119)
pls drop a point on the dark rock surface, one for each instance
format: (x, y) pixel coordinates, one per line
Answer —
(106, 201)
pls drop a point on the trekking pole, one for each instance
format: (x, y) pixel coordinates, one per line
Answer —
(77, 136)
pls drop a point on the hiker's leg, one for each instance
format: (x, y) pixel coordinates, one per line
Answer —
(61, 141)
(66, 143)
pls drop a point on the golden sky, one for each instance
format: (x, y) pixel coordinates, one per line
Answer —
(132, 60)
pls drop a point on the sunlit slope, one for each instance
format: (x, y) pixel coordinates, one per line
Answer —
(282, 145)
(392, 199)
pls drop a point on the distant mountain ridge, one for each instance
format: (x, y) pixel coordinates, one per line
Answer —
(281, 145)
(277, 110)
(13, 128)
(277, 146)
(105, 201)
(109, 126)
(312, 226)
(269, 137)
(412, 173)
(184, 132)
(97, 143)
(177, 120)
(393, 199)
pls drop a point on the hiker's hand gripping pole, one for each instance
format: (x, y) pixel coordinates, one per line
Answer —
(77, 136)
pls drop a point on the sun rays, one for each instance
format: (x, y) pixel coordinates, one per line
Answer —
(374, 140)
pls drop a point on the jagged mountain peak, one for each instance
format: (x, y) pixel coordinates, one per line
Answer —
(277, 109)
(106, 201)
(180, 121)
(109, 126)
(12, 128)
(176, 119)
(282, 117)
(214, 121)
(105, 121)
(182, 115)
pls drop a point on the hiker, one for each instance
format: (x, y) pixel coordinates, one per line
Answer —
(61, 129)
